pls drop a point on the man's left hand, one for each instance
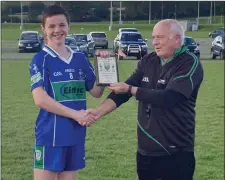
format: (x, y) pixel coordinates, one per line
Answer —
(119, 88)
(103, 54)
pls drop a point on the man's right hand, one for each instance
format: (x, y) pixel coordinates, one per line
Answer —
(83, 118)
(93, 113)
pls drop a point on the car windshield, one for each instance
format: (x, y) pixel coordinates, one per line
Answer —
(29, 36)
(70, 42)
(129, 30)
(131, 37)
(98, 35)
(80, 38)
(189, 41)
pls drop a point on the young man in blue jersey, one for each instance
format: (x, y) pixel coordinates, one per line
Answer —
(60, 78)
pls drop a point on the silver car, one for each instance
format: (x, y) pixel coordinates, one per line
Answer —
(100, 39)
(69, 41)
(86, 43)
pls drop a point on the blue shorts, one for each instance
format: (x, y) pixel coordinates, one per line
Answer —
(59, 159)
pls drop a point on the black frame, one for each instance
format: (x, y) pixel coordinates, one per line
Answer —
(97, 74)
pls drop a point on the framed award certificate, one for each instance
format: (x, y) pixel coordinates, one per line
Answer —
(106, 70)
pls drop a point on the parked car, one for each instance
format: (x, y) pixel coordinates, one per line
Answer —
(192, 46)
(217, 32)
(131, 44)
(30, 41)
(86, 43)
(217, 48)
(128, 30)
(100, 39)
(70, 41)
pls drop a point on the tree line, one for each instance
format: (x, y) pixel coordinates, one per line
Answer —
(83, 11)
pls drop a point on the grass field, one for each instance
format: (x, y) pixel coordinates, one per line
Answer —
(111, 142)
(12, 31)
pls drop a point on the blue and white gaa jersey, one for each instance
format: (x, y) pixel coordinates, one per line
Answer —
(66, 81)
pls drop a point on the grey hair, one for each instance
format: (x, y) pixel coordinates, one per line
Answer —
(175, 27)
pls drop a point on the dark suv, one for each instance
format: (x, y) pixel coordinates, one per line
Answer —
(131, 44)
(217, 48)
(192, 46)
(30, 41)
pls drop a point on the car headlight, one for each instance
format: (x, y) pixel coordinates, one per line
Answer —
(123, 45)
(196, 49)
(20, 44)
(144, 46)
(36, 44)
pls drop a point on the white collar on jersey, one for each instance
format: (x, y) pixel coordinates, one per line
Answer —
(53, 53)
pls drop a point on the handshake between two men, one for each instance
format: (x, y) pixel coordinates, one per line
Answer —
(89, 116)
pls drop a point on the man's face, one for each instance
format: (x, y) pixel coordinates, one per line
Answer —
(163, 41)
(56, 29)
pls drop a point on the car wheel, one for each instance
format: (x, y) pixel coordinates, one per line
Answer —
(213, 56)
(20, 51)
(222, 55)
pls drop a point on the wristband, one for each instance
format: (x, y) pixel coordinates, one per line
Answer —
(129, 89)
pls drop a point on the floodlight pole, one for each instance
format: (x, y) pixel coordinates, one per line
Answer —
(111, 16)
(21, 7)
(214, 12)
(120, 13)
(149, 13)
(211, 13)
(198, 11)
(175, 11)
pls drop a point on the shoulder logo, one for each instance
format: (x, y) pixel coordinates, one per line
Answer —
(145, 79)
(161, 81)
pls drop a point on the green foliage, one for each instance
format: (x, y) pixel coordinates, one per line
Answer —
(79, 11)
(35, 9)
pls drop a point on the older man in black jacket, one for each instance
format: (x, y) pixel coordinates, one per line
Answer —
(166, 84)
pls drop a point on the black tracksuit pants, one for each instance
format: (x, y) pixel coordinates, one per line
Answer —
(179, 166)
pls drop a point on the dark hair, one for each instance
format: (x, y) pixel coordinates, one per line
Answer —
(53, 10)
